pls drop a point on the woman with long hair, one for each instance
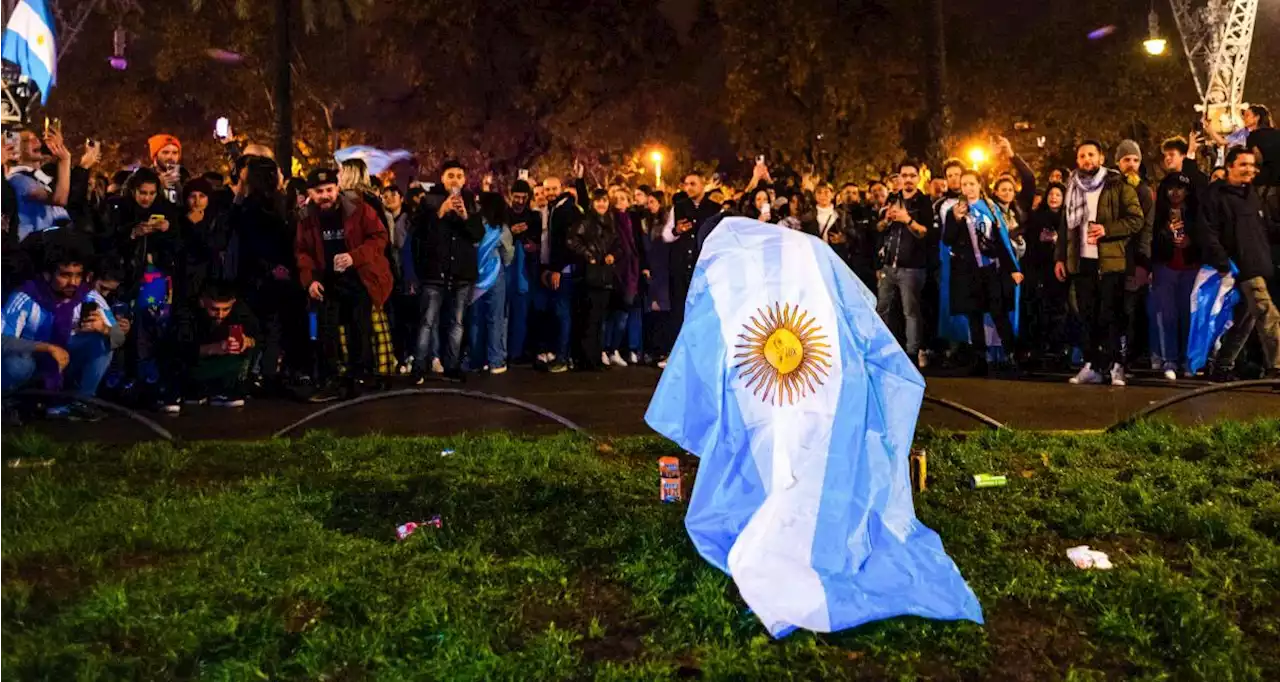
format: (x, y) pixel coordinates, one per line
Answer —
(1044, 295)
(757, 205)
(595, 247)
(657, 314)
(488, 310)
(984, 269)
(622, 335)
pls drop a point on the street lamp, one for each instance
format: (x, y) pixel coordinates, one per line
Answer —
(656, 157)
(977, 156)
(1154, 44)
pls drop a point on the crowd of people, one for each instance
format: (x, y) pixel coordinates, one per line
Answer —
(156, 286)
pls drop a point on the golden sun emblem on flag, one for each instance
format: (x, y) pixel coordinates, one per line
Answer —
(782, 355)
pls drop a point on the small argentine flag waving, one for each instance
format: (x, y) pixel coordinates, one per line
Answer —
(28, 42)
(802, 407)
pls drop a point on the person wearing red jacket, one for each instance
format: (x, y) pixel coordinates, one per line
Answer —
(341, 248)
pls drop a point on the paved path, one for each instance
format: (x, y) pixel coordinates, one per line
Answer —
(614, 402)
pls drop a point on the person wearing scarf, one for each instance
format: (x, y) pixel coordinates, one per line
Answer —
(49, 336)
(1101, 215)
(985, 272)
(488, 324)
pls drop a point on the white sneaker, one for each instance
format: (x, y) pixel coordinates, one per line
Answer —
(436, 366)
(617, 360)
(662, 364)
(544, 358)
(922, 359)
(1086, 375)
(1170, 371)
(1117, 375)
(498, 370)
(604, 358)
(633, 359)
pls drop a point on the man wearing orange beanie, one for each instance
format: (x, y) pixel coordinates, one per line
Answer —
(166, 156)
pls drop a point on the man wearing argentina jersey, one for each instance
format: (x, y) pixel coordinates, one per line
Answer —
(56, 331)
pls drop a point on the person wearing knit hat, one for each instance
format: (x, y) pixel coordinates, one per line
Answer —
(166, 157)
(166, 150)
(1137, 251)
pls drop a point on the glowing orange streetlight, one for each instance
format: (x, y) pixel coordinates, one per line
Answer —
(977, 156)
(656, 157)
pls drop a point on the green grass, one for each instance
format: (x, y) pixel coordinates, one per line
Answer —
(277, 560)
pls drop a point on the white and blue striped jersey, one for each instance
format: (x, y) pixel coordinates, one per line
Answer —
(25, 319)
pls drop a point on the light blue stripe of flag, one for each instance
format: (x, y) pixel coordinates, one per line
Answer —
(806, 505)
(1213, 299)
(28, 42)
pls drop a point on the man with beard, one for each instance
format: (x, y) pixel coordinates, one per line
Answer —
(56, 330)
(1102, 214)
(683, 233)
(341, 252)
(522, 276)
(1234, 230)
(166, 159)
(904, 253)
(565, 213)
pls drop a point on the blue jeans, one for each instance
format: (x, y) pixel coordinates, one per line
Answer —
(562, 301)
(433, 300)
(905, 284)
(90, 356)
(1170, 313)
(489, 327)
(622, 330)
(518, 314)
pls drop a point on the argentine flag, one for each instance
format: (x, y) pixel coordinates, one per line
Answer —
(1213, 301)
(802, 407)
(376, 160)
(28, 42)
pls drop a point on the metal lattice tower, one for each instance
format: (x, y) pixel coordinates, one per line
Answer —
(1216, 35)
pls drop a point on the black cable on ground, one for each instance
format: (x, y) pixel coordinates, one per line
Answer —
(963, 409)
(1187, 395)
(477, 395)
(103, 404)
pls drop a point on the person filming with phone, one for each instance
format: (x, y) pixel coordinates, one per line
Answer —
(141, 227)
(223, 345)
(42, 198)
(445, 268)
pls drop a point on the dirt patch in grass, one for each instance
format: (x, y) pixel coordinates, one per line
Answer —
(59, 577)
(597, 609)
(1033, 644)
(301, 614)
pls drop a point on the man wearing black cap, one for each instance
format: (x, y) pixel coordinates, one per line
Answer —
(341, 250)
(522, 276)
(445, 268)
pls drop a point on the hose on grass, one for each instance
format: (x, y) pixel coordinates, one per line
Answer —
(105, 405)
(1187, 395)
(476, 395)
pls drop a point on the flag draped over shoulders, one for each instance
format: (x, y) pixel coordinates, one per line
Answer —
(803, 408)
